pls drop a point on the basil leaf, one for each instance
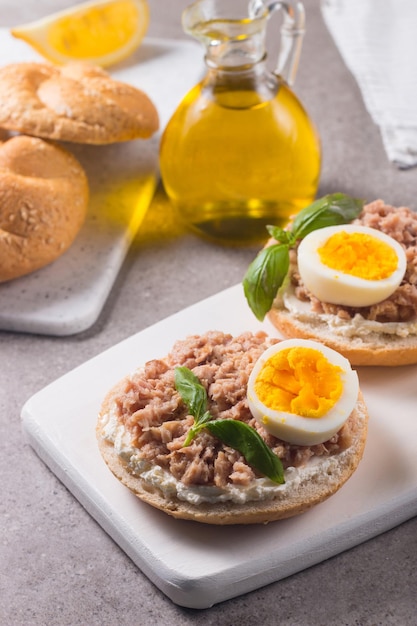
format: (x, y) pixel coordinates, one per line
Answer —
(192, 393)
(194, 430)
(250, 444)
(331, 210)
(233, 433)
(281, 235)
(266, 274)
(264, 277)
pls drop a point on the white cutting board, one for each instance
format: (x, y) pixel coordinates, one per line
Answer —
(194, 564)
(67, 296)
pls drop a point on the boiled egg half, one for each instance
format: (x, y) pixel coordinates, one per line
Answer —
(301, 391)
(351, 265)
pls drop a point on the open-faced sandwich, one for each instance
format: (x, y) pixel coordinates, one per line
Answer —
(345, 274)
(235, 430)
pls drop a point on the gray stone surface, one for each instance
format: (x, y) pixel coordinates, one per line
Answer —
(57, 566)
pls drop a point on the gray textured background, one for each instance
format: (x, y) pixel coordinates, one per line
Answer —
(57, 567)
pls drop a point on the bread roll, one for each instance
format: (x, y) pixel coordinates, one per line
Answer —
(371, 349)
(77, 103)
(143, 423)
(384, 334)
(319, 486)
(43, 204)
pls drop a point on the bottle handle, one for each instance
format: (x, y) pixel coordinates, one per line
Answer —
(292, 32)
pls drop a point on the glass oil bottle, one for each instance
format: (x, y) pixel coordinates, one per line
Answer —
(240, 152)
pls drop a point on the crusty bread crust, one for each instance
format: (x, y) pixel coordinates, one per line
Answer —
(303, 497)
(77, 103)
(43, 204)
(389, 351)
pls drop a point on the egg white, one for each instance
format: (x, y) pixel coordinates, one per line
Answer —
(335, 287)
(295, 429)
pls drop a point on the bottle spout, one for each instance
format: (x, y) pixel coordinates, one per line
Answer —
(232, 31)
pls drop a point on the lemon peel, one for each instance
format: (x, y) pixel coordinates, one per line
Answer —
(101, 32)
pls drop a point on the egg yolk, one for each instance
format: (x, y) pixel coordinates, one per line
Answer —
(300, 381)
(360, 255)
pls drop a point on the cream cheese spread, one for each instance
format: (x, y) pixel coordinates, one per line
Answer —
(317, 470)
(358, 326)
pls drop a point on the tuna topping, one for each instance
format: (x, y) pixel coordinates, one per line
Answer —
(152, 412)
(401, 306)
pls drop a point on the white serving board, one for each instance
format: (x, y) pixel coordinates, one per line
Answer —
(197, 565)
(67, 296)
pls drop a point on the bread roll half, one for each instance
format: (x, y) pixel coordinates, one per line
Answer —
(321, 481)
(378, 349)
(384, 334)
(143, 423)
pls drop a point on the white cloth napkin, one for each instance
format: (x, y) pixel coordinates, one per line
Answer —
(378, 41)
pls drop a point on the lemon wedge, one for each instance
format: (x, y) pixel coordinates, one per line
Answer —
(102, 32)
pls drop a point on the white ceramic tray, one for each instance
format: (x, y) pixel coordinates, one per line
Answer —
(197, 565)
(67, 296)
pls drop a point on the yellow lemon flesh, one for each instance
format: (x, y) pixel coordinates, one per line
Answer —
(102, 32)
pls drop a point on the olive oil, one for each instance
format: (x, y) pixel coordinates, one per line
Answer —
(240, 152)
(232, 162)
